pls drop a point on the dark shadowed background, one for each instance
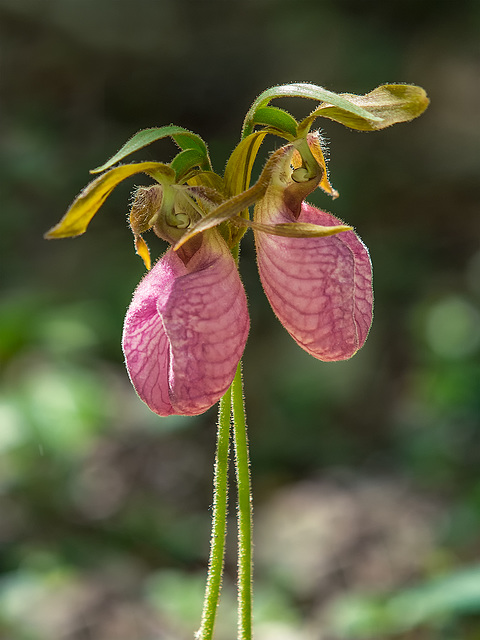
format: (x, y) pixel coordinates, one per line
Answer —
(366, 473)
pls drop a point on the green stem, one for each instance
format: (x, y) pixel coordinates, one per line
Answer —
(219, 518)
(242, 467)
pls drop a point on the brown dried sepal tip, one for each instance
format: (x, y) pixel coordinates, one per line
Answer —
(145, 206)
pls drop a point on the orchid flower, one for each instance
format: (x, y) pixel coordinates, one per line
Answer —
(320, 288)
(186, 328)
(187, 325)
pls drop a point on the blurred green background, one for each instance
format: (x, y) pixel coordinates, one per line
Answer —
(366, 474)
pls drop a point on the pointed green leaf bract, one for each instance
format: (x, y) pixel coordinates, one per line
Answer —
(185, 161)
(184, 138)
(276, 118)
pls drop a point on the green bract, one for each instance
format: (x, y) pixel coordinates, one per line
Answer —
(184, 138)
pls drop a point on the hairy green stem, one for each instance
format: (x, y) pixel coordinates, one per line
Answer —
(231, 406)
(244, 514)
(219, 519)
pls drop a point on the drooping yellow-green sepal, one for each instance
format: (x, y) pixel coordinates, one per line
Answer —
(89, 201)
(389, 103)
(185, 140)
(292, 229)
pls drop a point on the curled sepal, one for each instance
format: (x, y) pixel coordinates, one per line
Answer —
(389, 103)
(186, 328)
(315, 146)
(89, 201)
(319, 288)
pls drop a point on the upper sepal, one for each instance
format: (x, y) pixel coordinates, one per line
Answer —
(386, 105)
(389, 103)
(301, 90)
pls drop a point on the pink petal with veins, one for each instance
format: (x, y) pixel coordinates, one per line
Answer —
(186, 329)
(319, 288)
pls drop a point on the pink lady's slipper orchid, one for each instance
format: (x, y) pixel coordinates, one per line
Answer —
(186, 328)
(320, 288)
(187, 325)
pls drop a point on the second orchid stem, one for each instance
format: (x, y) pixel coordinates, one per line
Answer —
(244, 512)
(219, 520)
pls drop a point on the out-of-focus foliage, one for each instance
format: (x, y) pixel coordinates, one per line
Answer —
(366, 473)
(442, 603)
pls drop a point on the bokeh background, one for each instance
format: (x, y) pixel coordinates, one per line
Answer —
(366, 474)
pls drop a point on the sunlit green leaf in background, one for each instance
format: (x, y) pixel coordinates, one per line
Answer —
(434, 603)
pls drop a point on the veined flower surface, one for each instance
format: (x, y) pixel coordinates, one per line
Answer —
(186, 328)
(320, 288)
